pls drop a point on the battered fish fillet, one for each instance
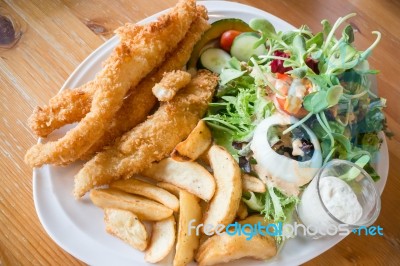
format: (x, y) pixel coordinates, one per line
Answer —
(131, 61)
(141, 101)
(66, 107)
(152, 140)
(169, 85)
(71, 106)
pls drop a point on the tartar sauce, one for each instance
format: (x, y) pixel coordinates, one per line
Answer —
(338, 198)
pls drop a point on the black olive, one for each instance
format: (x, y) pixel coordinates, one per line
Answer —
(298, 133)
(244, 164)
(237, 145)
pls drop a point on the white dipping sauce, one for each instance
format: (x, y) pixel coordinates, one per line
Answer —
(338, 198)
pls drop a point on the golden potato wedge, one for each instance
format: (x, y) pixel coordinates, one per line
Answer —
(162, 240)
(170, 188)
(187, 239)
(224, 248)
(145, 209)
(204, 160)
(225, 203)
(194, 145)
(242, 211)
(203, 238)
(147, 190)
(254, 219)
(190, 176)
(126, 226)
(173, 190)
(252, 183)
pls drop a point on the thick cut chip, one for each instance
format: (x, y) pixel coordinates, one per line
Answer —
(242, 211)
(147, 190)
(162, 240)
(225, 248)
(190, 176)
(145, 209)
(126, 226)
(170, 188)
(225, 203)
(252, 183)
(195, 145)
(189, 217)
(255, 219)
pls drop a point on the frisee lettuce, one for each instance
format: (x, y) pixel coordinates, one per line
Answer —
(238, 107)
(273, 204)
(278, 206)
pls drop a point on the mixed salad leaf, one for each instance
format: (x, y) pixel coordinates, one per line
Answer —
(275, 205)
(320, 78)
(240, 106)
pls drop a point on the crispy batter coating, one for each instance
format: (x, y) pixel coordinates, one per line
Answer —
(71, 106)
(67, 107)
(141, 101)
(152, 140)
(170, 84)
(143, 52)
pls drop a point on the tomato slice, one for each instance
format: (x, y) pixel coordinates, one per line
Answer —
(227, 39)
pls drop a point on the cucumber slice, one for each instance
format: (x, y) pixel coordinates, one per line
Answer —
(242, 47)
(217, 28)
(214, 59)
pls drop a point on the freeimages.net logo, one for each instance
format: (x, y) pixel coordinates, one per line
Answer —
(280, 230)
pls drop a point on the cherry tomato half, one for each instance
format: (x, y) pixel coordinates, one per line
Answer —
(227, 39)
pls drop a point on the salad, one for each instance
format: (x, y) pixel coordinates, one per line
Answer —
(290, 102)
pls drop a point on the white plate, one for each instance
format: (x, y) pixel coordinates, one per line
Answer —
(77, 226)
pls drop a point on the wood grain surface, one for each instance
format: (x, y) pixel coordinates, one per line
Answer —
(57, 35)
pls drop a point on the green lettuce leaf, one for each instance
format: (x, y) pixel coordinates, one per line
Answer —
(273, 204)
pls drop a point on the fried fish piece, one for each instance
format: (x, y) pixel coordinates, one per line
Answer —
(68, 106)
(141, 101)
(71, 105)
(144, 51)
(152, 140)
(170, 84)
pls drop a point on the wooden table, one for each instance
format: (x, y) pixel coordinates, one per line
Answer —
(58, 35)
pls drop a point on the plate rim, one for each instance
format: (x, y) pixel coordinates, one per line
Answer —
(76, 75)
